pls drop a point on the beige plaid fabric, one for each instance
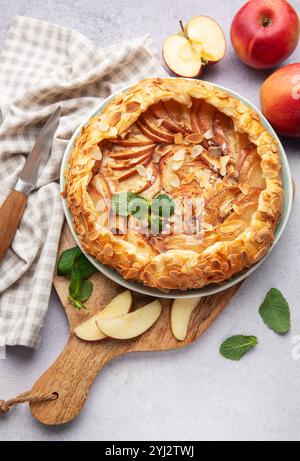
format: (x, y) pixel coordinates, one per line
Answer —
(42, 65)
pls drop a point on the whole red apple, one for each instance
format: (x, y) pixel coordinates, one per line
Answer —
(280, 100)
(265, 32)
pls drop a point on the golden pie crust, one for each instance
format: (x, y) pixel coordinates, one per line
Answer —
(243, 202)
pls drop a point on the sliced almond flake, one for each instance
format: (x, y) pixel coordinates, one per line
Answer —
(174, 180)
(179, 155)
(149, 173)
(208, 134)
(118, 99)
(224, 146)
(177, 164)
(196, 151)
(236, 209)
(231, 169)
(113, 131)
(244, 188)
(141, 170)
(178, 138)
(162, 150)
(115, 118)
(170, 86)
(123, 135)
(132, 106)
(225, 208)
(224, 160)
(103, 124)
(94, 152)
(194, 138)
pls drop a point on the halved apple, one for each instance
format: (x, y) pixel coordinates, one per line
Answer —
(120, 305)
(200, 43)
(205, 31)
(131, 325)
(181, 57)
(181, 312)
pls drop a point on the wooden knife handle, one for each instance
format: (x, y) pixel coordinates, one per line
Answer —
(70, 377)
(11, 212)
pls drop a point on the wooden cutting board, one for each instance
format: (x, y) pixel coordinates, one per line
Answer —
(74, 371)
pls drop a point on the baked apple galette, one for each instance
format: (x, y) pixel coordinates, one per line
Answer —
(175, 184)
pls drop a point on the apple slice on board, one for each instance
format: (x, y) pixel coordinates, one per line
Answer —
(200, 43)
(120, 305)
(131, 325)
(181, 312)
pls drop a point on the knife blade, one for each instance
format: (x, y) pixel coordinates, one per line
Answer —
(13, 207)
(31, 169)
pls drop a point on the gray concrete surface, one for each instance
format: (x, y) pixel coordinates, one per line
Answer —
(192, 394)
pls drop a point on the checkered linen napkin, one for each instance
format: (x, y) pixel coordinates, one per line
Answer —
(42, 65)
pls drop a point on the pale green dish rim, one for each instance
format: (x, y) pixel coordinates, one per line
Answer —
(211, 289)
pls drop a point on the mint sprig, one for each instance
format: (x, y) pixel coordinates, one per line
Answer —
(128, 203)
(72, 263)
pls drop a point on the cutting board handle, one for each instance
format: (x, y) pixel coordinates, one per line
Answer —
(70, 377)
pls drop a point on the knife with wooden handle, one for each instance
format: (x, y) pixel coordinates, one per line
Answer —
(13, 207)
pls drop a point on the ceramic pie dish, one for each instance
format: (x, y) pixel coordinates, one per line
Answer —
(193, 142)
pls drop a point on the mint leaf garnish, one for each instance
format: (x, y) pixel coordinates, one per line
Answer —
(67, 260)
(155, 224)
(236, 346)
(75, 284)
(138, 207)
(275, 312)
(85, 267)
(163, 205)
(85, 291)
(120, 202)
